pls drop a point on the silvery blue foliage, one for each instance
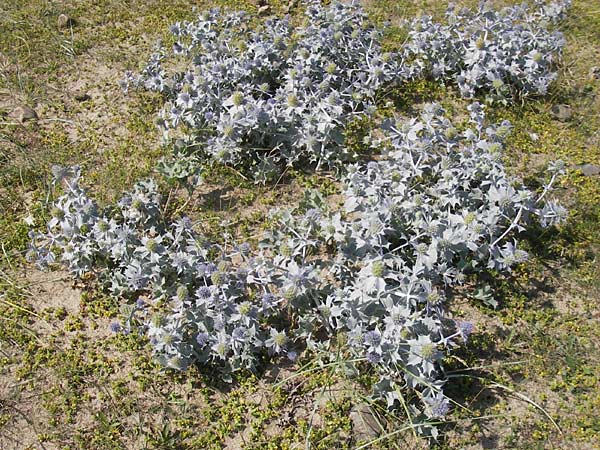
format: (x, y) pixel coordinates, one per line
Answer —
(277, 95)
(440, 206)
(506, 53)
(264, 97)
(215, 312)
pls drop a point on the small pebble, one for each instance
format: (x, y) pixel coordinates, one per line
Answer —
(23, 114)
(64, 21)
(365, 425)
(588, 170)
(81, 96)
(562, 112)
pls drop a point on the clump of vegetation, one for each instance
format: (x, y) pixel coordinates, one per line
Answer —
(512, 53)
(439, 208)
(282, 96)
(273, 96)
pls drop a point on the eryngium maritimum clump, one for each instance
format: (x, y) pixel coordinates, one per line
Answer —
(504, 54)
(441, 206)
(216, 312)
(275, 95)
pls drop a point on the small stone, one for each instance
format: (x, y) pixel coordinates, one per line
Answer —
(365, 425)
(265, 9)
(588, 170)
(595, 73)
(562, 112)
(23, 113)
(81, 96)
(64, 21)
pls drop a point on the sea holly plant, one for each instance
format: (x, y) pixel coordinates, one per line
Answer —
(374, 274)
(274, 96)
(503, 54)
(438, 208)
(194, 308)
